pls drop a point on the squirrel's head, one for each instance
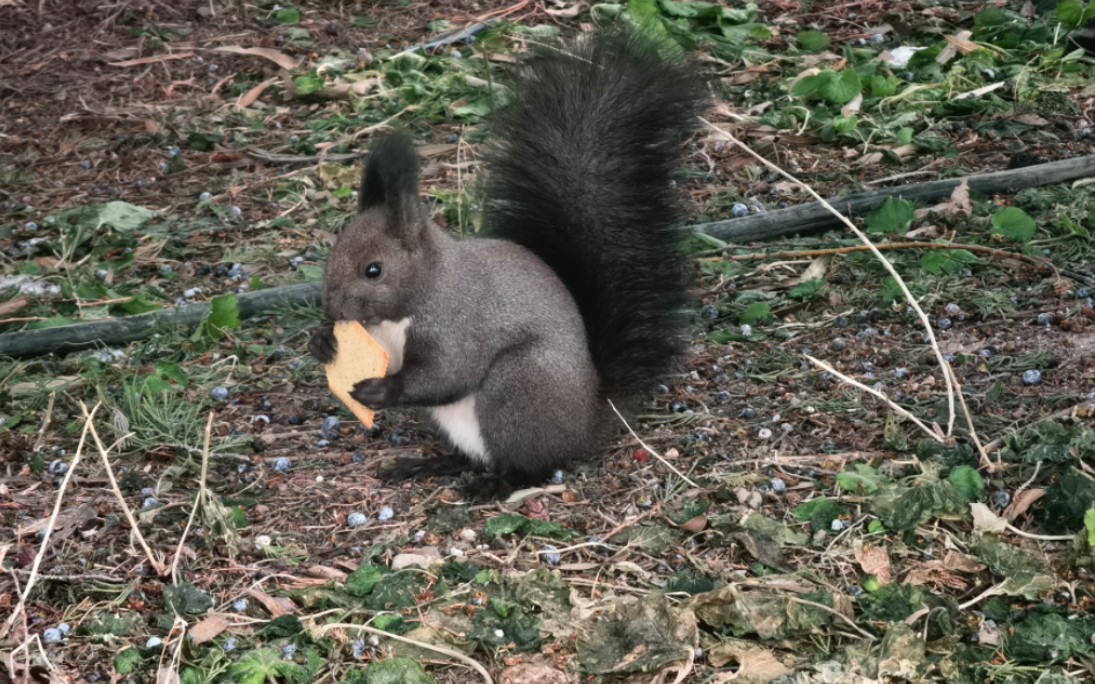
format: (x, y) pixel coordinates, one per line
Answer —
(381, 261)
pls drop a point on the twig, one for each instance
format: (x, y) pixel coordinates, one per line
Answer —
(21, 606)
(199, 500)
(156, 564)
(984, 456)
(455, 655)
(45, 423)
(1040, 537)
(646, 446)
(900, 411)
(878, 255)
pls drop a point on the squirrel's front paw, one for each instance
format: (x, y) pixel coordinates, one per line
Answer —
(379, 393)
(324, 344)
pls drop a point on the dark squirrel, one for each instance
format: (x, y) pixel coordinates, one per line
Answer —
(514, 342)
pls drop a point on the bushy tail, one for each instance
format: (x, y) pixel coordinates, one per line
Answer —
(579, 171)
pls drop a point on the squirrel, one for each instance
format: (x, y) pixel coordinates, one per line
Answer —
(515, 342)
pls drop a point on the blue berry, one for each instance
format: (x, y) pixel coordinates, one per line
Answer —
(234, 212)
(357, 519)
(865, 334)
(746, 330)
(1083, 292)
(1002, 499)
(987, 352)
(385, 514)
(164, 167)
(952, 309)
(174, 152)
(282, 465)
(150, 502)
(87, 165)
(239, 605)
(551, 554)
(1045, 318)
(230, 644)
(396, 438)
(988, 73)
(709, 312)
(359, 649)
(558, 477)
(31, 226)
(739, 210)
(323, 443)
(330, 426)
(52, 636)
(358, 457)
(878, 39)
(192, 292)
(205, 197)
(778, 485)
(143, 184)
(943, 323)
(219, 394)
(901, 372)
(153, 642)
(288, 651)
(748, 413)
(1032, 377)
(294, 140)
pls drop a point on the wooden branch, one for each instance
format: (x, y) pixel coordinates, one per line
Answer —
(812, 216)
(114, 331)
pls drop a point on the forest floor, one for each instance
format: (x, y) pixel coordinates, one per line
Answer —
(776, 522)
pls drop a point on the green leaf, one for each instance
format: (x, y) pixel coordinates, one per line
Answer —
(260, 666)
(224, 314)
(813, 41)
(311, 272)
(361, 581)
(282, 627)
(809, 86)
(1015, 224)
(968, 482)
(702, 242)
(845, 124)
(883, 86)
(123, 215)
(288, 16)
(1089, 523)
(807, 290)
(512, 523)
(760, 311)
(126, 661)
(937, 261)
(842, 89)
(1075, 12)
(820, 512)
(203, 142)
(1044, 638)
(862, 479)
(397, 671)
(186, 599)
(892, 216)
(308, 84)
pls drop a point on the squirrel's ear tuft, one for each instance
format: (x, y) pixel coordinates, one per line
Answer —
(391, 173)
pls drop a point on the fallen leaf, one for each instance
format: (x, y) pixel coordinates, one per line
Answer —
(1023, 501)
(532, 673)
(960, 562)
(984, 520)
(874, 560)
(248, 98)
(276, 605)
(754, 663)
(152, 60)
(567, 12)
(276, 56)
(1030, 120)
(695, 525)
(959, 203)
(13, 305)
(209, 628)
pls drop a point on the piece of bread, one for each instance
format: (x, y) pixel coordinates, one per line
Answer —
(359, 357)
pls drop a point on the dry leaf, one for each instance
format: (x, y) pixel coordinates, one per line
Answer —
(959, 203)
(754, 664)
(567, 12)
(13, 305)
(152, 60)
(697, 524)
(1023, 501)
(874, 560)
(248, 98)
(852, 107)
(984, 520)
(276, 56)
(960, 562)
(209, 628)
(1030, 120)
(275, 605)
(532, 673)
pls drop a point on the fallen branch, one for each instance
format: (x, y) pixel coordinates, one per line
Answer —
(116, 331)
(812, 216)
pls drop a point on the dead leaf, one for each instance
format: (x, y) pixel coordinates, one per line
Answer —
(695, 525)
(955, 44)
(754, 663)
(532, 673)
(209, 628)
(1030, 120)
(275, 605)
(276, 56)
(567, 12)
(13, 305)
(167, 675)
(248, 98)
(933, 573)
(852, 107)
(984, 520)
(960, 562)
(152, 60)
(1023, 501)
(874, 560)
(959, 203)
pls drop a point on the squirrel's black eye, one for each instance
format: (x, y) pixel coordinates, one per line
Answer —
(373, 270)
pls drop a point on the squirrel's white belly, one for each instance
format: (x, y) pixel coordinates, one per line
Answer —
(392, 335)
(460, 423)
